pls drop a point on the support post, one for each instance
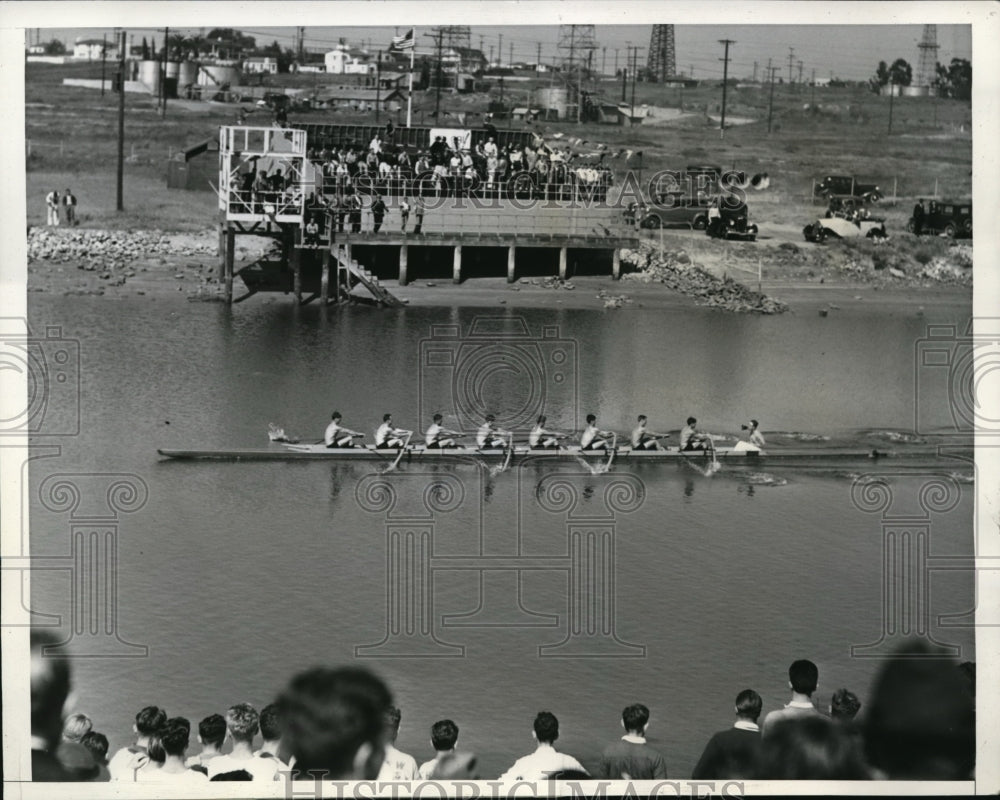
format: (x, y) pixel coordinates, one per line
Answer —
(230, 257)
(296, 264)
(616, 264)
(456, 274)
(324, 285)
(562, 263)
(403, 279)
(511, 255)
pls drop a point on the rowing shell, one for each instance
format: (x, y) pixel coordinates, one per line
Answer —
(734, 456)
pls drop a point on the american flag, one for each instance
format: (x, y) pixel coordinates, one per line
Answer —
(404, 42)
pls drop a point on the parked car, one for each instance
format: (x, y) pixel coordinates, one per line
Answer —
(840, 228)
(728, 220)
(848, 185)
(953, 218)
(678, 210)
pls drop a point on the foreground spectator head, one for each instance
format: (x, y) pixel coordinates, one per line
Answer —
(844, 705)
(444, 735)
(149, 720)
(243, 722)
(212, 731)
(921, 720)
(748, 705)
(270, 723)
(803, 677)
(175, 736)
(75, 727)
(334, 721)
(635, 718)
(50, 688)
(546, 727)
(393, 716)
(97, 744)
(810, 749)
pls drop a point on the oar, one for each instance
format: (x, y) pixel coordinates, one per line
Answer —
(614, 448)
(399, 455)
(510, 451)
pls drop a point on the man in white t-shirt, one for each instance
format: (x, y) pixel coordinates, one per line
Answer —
(546, 760)
(397, 766)
(242, 723)
(270, 732)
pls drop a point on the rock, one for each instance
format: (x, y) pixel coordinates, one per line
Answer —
(896, 273)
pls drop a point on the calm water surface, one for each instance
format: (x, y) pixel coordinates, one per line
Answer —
(236, 575)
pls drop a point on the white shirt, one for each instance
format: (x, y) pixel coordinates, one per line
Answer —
(536, 435)
(589, 435)
(383, 433)
(187, 777)
(331, 433)
(433, 433)
(540, 764)
(485, 432)
(637, 435)
(398, 766)
(262, 769)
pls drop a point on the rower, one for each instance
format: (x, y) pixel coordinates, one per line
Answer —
(389, 437)
(337, 435)
(594, 438)
(540, 438)
(437, 436)
(489, 437)
(754, 436)
(693, 439)
(643, 439)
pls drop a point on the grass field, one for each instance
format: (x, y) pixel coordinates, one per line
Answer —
(72, 132)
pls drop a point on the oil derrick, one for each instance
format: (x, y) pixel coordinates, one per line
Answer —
(662, 62)
(577, 43)
(927, 63)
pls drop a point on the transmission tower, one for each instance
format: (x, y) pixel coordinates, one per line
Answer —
(927, 64)
(578, 43)
(455, 36)
(662, 63)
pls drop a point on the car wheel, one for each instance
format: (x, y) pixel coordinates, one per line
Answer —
(910, 226)
(699, 224)
(949, 231)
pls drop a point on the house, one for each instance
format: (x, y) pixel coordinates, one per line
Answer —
(261, 65)
(347, 60)
(525, 114)
(196, 167)
(362, 99)
(463, 59)
(611, 114)
(36, 50)
(91, 49)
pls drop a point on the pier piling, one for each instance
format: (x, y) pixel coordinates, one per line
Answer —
(510, 263)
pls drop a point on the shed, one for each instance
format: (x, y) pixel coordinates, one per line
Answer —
(195, 168)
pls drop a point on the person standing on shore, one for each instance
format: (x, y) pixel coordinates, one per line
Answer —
(803, 677)
(546, 760)
(69, 203)
(734, 753)
(52, 208)
(630, 758)
(418, 211)
(918, 217)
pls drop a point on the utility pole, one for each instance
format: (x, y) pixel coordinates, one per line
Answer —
(755, 72)
(624, 80)
(491, 55)
(604, 59)
(499, 49)
(378, 85)
(791, 54)
(891, 93)
(616, 61)
(725, 82)
(510, 61)
(120, 206)
(104, 54)
(800, 71)
(812, 93)
(538, 57)
(770, 102)
(635, 57)
(163, 75)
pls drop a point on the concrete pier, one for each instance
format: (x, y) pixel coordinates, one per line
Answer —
(403, 278)
(456, 270)
(511, 256)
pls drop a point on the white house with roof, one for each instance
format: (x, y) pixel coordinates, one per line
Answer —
(347, 60)
(91, 48)
(261, 65)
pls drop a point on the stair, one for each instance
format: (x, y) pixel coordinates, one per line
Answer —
(369, 281)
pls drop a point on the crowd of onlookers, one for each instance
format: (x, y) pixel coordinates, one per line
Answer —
(340, 724)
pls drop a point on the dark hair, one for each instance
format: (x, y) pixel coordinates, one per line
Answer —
(150, 720)
(97, 744)
(691, 421)
(541, 419)
(490, 418)
(212, 730)
(546, 727)
(641, 418)
(392, 717)
(336, 415)
(438, 418)
(155, 748)
(270, 722)
(810, 748)
(591, 418)
(803, 675)
(749, 704)
(635, 717)
(243, 722)
(235, 775)
(386, 417)
(844, 705)
(329, 714)
(175, 735)
(444, 734)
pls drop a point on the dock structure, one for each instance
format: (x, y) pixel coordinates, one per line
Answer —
(331, 233)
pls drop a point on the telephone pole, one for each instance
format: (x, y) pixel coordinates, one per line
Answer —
(163, 75)
(800, 71)
(891, 93)
(791, 55)
(770, 102)
(120, 205)
(725, 82)
(104, 54)
(500, 50)
(635, 57)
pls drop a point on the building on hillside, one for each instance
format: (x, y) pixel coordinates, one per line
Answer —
(463, 59)
(361, 99)
(266, 65)
(347, 60)
(91, 49)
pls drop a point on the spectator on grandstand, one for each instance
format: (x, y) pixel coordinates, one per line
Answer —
(546, 760)
(810, 748)
(75, 727)
(844, 705)
(270, 732)
(242, 724)
(142, 767)
(211, 735)
(311, 238)
(123, 764)
(734, 753)
(444, 737)
(803, 677)
(631, 758)
(334, 722)
(174, 738)
(378, 213)
(397, 765)
(921, 719)
(97, 744)
(76, 758)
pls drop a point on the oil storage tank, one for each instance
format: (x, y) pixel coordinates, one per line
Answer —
(149, 75)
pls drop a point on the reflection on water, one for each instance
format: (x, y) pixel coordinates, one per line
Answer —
(238, 574)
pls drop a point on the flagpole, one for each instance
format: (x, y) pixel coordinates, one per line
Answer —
(409, 95)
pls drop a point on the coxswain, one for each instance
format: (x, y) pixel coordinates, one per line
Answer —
(389, 437)
(337, 435)
(693, 439)
(437, 436)
(753, 434)
(540, 438)
(643, 439)
(594, 438)
(489, 436)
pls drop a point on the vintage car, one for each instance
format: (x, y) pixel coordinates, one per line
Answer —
(840, 228)
(953, 218)
(729, 220)
(848, 185)
(678, 210)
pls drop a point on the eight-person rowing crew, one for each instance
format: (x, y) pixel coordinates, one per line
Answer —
(490, 437)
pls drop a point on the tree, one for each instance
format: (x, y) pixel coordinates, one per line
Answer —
(55, 48)
(901, 73)
(145, 49)
(425, 75)
(955, 80)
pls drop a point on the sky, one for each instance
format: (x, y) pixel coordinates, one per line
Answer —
(846, 51)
